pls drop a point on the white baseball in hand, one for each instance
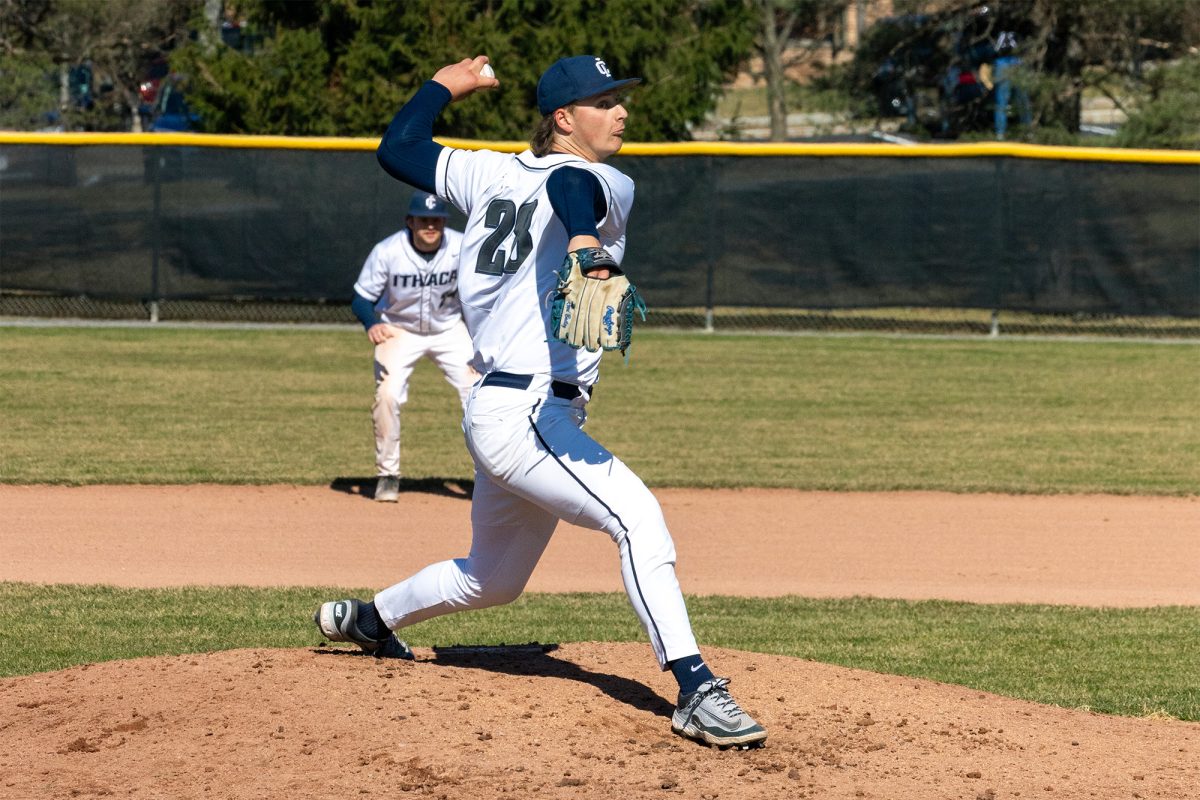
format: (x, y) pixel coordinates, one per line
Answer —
(487, 71)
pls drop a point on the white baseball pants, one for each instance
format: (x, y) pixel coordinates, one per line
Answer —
(395, 359)
(534, 466)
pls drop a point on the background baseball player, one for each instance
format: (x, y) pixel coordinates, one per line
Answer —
(545, 232)
(407, 298)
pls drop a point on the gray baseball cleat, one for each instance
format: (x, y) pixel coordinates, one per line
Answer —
(387, 489)
(711, 715)
(338, 622)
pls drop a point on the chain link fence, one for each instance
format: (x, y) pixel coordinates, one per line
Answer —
(952, 240)
(926, 321)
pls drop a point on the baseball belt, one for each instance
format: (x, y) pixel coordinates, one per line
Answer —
(509, 380)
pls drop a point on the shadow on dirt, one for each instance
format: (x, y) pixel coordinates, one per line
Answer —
(446, 487)
(530, 660)
(534, 660)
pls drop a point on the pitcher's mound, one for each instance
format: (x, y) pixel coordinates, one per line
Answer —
(584, 720)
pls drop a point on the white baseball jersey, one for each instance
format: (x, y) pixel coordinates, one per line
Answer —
(513, 247)
(417, 295)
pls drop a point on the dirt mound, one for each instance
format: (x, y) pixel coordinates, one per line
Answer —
(582, 721)
(586, 720)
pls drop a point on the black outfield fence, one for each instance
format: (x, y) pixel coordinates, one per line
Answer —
(938, 238)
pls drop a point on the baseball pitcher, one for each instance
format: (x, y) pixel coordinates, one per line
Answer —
(544, 294)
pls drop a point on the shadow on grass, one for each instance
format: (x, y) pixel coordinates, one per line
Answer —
(446, 487)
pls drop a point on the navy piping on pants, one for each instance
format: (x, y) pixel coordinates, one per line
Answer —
(628, 545)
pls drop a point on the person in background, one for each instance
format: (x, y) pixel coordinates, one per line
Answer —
(406, 297)
(1006, 63)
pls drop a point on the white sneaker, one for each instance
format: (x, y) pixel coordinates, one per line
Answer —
(387, 490)
(711, 715)
(338, 622)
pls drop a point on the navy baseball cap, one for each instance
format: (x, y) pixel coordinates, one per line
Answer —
(574, 78)
(424, 204)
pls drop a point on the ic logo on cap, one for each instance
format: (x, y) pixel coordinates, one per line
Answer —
(431, 202)
(602, 68)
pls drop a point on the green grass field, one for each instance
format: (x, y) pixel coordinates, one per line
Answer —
(1135, 662)
(100, 405)
(111, 405)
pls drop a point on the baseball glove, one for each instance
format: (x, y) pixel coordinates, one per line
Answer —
(594, 313)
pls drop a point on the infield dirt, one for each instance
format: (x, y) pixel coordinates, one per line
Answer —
(586, 720)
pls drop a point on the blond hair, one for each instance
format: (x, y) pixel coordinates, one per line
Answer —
(541, 142)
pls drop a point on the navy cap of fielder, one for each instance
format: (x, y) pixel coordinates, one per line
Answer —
(574, 78)
(424, 204)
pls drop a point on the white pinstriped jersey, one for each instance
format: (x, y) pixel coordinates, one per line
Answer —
(417, 295)
(513, 246)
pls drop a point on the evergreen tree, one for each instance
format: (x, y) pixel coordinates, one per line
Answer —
(279, 89)
(1170, 115)
(376, 54)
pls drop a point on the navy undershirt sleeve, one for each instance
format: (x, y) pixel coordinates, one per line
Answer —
(577, 199)
(364, 309)
(407, 151)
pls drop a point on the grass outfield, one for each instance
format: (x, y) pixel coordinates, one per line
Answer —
(110, 405)
(1135, 662)
(105, 405)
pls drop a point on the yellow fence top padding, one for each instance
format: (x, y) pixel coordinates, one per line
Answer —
(740, 149)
